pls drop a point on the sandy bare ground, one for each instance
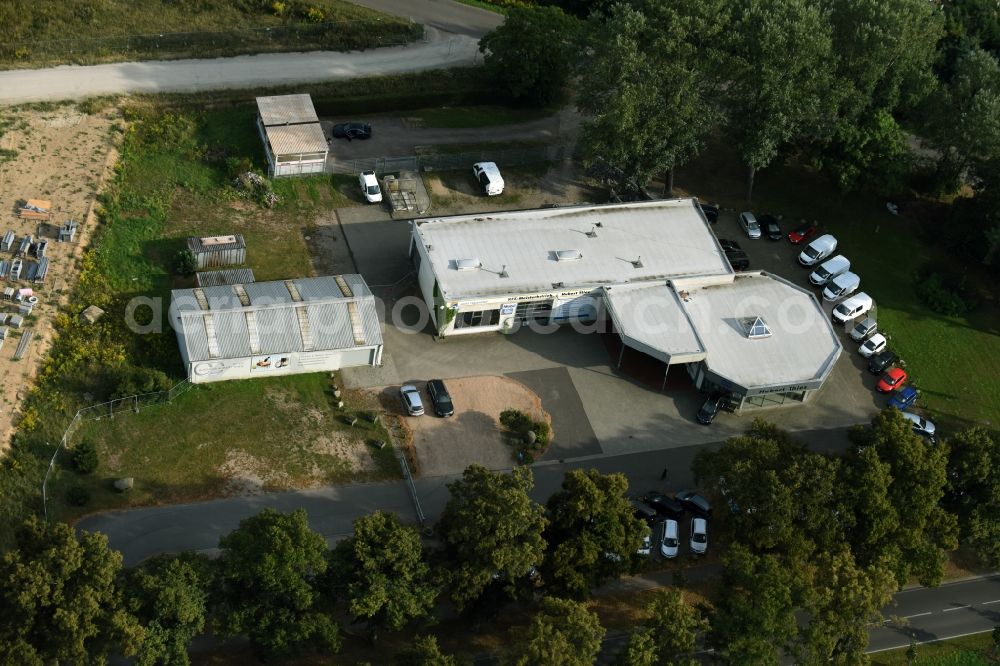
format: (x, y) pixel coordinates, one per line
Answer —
(63, 156)
(473, 435)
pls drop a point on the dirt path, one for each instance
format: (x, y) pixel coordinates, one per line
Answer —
(62, 156)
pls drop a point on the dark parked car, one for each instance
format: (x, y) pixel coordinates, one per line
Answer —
(880, 361)
(728, 245)
(738, 260)
(440, 397)
(769, 223)
(643, 511)
(352, 130)
(904, 398)
(694, 503)
(708, 410)
(711, 212)
(665, 506)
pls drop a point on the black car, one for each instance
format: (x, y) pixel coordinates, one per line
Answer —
(738, 260)
(352, 130)
(878, 363)
(440, 397)
(711, 212)
(695, 503)
(769, 225)
(665, 506)
(708, 410)
(643, 511)
(728, 245)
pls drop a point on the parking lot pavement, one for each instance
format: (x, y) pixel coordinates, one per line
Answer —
(378, 244)
(449, 445)
(574, 437)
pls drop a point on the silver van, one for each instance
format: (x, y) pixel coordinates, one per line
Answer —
(829, 269)
(843, 285)
(818, 250)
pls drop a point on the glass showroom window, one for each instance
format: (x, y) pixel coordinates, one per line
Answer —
(477, 318)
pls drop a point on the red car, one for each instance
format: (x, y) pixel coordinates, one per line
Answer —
(892, 379)
(802, 233)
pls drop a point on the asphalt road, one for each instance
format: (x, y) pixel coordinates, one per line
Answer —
(932, 614)
(445, 15)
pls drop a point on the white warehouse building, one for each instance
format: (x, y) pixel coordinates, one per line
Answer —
(293, 138)
(651, 271)
(262, 329)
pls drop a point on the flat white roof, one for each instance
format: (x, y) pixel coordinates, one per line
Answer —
(802, 346)
(650, 318)
(286, 110)
(571, 247)
(296, 139)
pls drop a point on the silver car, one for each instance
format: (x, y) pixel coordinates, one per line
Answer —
(411, 400)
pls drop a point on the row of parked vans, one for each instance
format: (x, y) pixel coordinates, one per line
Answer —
(833, 274)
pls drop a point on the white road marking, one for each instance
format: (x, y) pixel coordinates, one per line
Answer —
(948, 610)
(995, 601)
(917, 615)
(933, 640)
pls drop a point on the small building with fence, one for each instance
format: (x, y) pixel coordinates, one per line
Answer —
(217, 251)
(293, 139)
(263, 329)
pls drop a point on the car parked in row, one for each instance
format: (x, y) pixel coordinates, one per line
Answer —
(710, 210)
(829, 269)
(843, 285)
(440, 398)
(729, 245)
(699, 536)
(738, 259)
(693, 502)
(893, 378)
(873, 345)
(903, 398)
(748, 222)
(818, 250)
(670, 540)
(709, 409)
(866, 328)
(488, 175)
(802, 233)
(921, 426)
(852, 308)
(667, 507)
(411, 400)
(880, 361)
(769, 225)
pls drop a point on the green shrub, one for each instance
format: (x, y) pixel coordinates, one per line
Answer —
(942, 296)
(542, 434)
(77, 496)
(516, 421)
(85, 457)
(185, 263)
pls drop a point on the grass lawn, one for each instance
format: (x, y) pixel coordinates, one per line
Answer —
(230, 437)
(975, 650)
(46, 32)
(954, 361)
(476, 116)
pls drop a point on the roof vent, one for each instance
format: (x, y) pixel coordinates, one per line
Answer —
(467, 264)
(503, 271)
(568, 255)
(637, 262)
(557, 285)
(593, 232)
(756, 328)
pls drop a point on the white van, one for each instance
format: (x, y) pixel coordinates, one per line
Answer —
(829, 269)
(818, 250)
(489, 177)
(852, 308)
(844, 284)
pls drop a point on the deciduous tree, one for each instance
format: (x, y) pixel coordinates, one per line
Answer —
(60, 601)
(531, 54)
(675, 627)
(169, 597)
(268, 570)
(424, 652)
(491, 530)
(973, 490)
(592, 532)
(381, 572)
(562, 633)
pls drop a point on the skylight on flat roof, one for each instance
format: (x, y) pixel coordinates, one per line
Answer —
(756, 328)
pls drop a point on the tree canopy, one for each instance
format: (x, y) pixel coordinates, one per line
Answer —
(531, 54)
(268, 568)
(592, 533)
(491, 530)
(381, 572)
(562, 633)
(973, 490)
(60, 600)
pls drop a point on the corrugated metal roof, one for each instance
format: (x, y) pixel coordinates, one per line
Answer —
(617, 243)
(286, 110)
(296, 139)
(216, 243)
(226, 277)
(327, 321)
